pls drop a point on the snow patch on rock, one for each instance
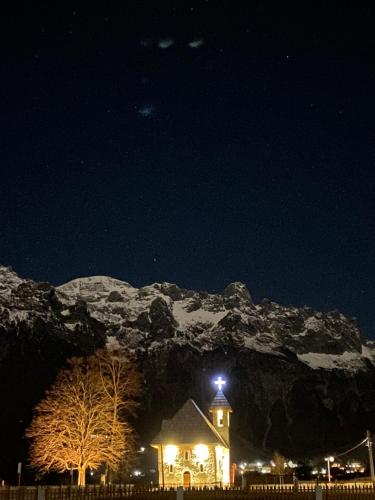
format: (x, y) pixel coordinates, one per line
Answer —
(349, 361)
(186, 318)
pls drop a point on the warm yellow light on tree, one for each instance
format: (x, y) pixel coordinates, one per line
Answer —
(78, 425)
(170, 454)
(201, 453)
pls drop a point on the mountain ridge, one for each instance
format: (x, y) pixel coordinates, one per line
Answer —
(265, 327)
(327, 340)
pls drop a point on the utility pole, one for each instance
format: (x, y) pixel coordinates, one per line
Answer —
(371, 459)
(162, 465)
(329, 460)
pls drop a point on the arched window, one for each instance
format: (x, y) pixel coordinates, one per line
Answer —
(187, 454)
(171, 468)
(220, 418)
(201, 468)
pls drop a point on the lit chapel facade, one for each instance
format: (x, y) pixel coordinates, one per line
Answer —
(194, 450)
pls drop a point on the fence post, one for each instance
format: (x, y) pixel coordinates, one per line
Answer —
(318, 493)
(180, 493)
(41, 493)
(243, 482)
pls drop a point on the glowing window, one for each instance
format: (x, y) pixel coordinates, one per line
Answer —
(201, 453)
(170, 454)
(220, 418)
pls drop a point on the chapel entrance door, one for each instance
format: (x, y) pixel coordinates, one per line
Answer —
(187, 479)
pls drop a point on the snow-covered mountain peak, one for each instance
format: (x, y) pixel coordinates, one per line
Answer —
(96, 288)
(237, 295)
(9, 281)
(237, 288)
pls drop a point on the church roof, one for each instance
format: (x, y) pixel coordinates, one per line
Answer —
(189, 425)
(220, 401)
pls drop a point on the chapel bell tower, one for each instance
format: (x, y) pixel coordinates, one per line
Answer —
(220, 411)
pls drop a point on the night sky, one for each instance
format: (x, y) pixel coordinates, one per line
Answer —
(193, 142)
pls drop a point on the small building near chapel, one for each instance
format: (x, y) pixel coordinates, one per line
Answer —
(194, 450)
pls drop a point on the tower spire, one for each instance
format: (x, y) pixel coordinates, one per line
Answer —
(220, 410)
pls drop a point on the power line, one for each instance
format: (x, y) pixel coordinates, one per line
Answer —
(351, 449)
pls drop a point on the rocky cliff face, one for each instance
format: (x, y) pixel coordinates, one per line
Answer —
(299, 380)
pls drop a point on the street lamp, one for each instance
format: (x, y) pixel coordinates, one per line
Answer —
(329, 460)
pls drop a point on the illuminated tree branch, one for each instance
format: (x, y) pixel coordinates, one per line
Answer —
(81, 422)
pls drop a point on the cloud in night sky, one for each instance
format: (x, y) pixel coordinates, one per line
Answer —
(165, 43)
(195, 44)
(146, 110)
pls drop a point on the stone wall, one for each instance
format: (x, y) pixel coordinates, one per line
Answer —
(202, 463)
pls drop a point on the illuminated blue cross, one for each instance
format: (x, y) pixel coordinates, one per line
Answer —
(219, 382)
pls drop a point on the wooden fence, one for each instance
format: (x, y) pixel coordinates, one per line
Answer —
(120, 492)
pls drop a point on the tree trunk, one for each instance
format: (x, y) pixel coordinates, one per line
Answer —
(81, 476)
(107, 474)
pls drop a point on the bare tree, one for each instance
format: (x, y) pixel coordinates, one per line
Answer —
(74, 426)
